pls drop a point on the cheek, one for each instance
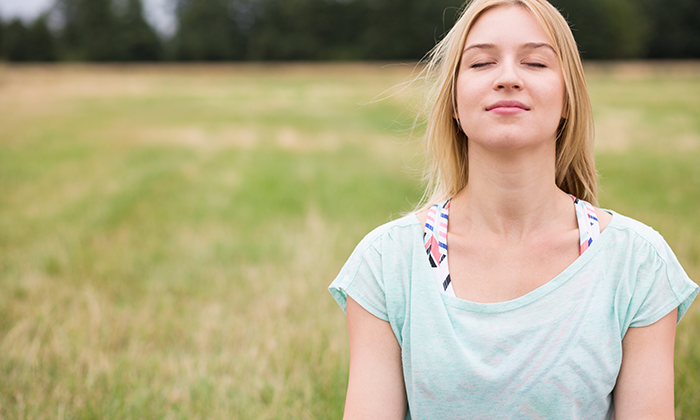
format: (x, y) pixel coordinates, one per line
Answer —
(470, 91)
(559, 96)
(552, 97)
(554, 101)
(468, 104)
(464, 99)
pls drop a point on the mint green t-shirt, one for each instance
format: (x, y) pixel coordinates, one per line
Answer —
(552, 353)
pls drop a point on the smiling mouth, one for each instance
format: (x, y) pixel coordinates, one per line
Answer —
(507, 104)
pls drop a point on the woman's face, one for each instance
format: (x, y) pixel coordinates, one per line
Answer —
(510, 89)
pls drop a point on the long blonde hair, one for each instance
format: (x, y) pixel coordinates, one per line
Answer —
(446, 145)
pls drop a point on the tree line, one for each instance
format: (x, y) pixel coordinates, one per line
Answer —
(238, 30)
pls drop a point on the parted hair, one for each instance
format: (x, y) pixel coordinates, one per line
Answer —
(446, 170)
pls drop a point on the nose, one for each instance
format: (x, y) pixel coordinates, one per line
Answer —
(508, 77)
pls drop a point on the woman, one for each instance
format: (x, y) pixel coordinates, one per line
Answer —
(548, 307)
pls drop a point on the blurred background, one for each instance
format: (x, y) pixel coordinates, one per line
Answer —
(180, 180)
(243, 30)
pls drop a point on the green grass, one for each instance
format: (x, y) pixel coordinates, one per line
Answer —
(167, 234)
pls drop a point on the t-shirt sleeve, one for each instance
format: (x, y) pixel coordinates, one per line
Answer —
(660, 285)
(361, 278)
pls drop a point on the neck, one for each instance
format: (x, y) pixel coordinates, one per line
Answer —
(511, 194)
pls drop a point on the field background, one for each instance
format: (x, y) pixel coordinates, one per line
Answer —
(167, 233)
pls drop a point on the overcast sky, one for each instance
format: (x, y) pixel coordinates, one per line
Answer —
(158, 12)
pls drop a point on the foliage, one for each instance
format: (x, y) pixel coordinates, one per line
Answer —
(355, 29)
(138, 40)
(41, 45)
(15, 41)
(399, 29)
(216, 30)
(92, 31)
(207, 31)
(606, 28)
(33, 43)
(307, 29)
(675, 28)
(89, 29)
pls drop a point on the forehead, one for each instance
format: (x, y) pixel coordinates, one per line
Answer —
(507, 25)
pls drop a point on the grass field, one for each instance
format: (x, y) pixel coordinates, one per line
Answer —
(167, 234)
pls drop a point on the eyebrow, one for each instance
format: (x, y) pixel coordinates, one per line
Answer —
(527, 46)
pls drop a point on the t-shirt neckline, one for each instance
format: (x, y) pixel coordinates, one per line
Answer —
(560, 279)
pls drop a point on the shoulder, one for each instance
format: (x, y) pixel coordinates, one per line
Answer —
(387, 242)
(646, 255)
(637, 248)
(647, 270)
(375, 270)
(422, 216)
(400, 229)
(632, 229)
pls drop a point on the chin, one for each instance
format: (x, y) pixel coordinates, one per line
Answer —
(512, 141)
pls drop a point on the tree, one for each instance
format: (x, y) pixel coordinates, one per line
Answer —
(674, 28)
(607, 29)
(138, 40)
(15, 45)
(41, 44)
(306, 30)
(407, 29)
(349, 29)
(93, 31)
(207, 31)
(2, 29)
(89, 31)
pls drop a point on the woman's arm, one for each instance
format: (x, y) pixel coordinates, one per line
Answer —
(376, 388)
(644, 388)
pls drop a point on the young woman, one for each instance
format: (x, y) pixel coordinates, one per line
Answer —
(545, 307)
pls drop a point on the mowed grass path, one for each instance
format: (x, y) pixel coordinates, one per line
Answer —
(167, 234)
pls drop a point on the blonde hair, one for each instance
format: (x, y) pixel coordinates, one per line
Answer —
(446, 144)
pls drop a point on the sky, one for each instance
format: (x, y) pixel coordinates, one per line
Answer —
(158, 12)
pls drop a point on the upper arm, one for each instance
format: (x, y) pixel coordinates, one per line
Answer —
(376, 387)
(644, 388)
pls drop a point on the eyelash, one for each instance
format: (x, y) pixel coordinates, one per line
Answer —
(536, 65)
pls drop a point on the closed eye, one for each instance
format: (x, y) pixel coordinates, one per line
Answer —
(537, 65)
(478, 65)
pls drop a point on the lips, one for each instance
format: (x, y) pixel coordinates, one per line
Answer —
(507, 104)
